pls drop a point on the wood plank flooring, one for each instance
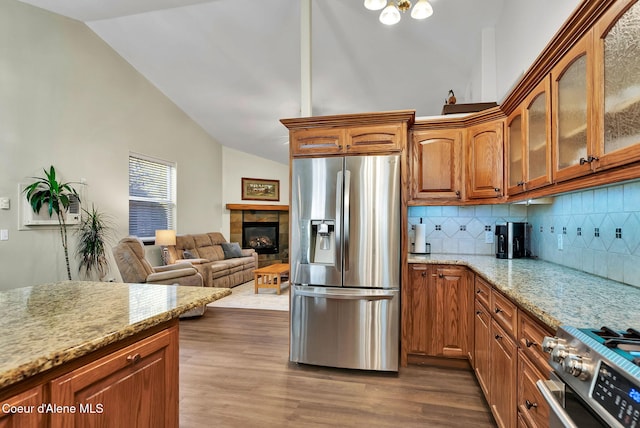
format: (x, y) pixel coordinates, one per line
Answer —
(234, 372)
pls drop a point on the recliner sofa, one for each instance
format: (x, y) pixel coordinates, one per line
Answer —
(215, 259)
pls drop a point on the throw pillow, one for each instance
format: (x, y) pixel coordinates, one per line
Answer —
(188, 255)
(231, 250)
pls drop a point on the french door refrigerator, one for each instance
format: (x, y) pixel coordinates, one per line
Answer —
(345, 262)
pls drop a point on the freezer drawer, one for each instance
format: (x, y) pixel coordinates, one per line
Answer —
(343, 327)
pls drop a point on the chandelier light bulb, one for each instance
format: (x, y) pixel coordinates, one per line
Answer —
(390, 15)
(374, 4)
(421, 10)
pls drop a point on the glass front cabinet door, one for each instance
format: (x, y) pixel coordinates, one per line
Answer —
(617, 60)
(573, 133)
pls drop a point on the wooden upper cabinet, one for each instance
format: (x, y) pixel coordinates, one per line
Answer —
(537, 125)
(348, 140)
(529, 142)
(374, 139)
(436, 164)
(617, 88)
(484, 160)
(573, 135)
(515, 158)
(317, 141)
(349, 134)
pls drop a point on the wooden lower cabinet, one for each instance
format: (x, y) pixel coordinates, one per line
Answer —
(482, 346)
(532, 407)
(136, 386)
(132, 383)
(437, 317)
(504, 354)
(21, 410)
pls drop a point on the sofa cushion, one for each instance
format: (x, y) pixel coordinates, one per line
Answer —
(231, 250)
(212, 252)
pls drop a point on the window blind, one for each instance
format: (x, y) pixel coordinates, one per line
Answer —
(152, 196)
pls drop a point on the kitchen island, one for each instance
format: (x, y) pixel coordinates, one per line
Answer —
(555, 294)
(72, 342)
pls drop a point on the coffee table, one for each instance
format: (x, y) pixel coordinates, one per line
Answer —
(270, 276)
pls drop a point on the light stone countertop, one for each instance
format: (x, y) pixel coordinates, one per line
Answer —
(47, 325)
(557, 295)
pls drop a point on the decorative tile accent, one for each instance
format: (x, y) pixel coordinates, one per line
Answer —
(596, 232)
(619, 233)
(564, 230)
(438, 227)
(552, 229)
(487, 228)
(579, 231)
(463, 227)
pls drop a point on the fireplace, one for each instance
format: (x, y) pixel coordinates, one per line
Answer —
(261, 236)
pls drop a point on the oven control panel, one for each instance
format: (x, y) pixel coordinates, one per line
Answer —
(617, 395)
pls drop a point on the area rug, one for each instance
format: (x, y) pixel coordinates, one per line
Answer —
(243, 296)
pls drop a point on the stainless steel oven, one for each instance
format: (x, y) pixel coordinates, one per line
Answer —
(596, 379)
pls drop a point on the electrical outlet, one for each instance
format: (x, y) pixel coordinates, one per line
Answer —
(560, 242)
(488, 237)
(4, 234)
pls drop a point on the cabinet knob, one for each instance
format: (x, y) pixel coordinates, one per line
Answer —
(133, 358)
(496, 189)
(520, 183)
(478, 291)
(498, 337)
(497, 310)
(478, 312)
(583, 161)
(424, 273)
(440, 275)
(529, 343)
(458, 194)
(528, 404)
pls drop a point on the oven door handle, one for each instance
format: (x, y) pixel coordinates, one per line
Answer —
(554, 405)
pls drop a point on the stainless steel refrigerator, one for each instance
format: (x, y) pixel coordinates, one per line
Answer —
(345, 262)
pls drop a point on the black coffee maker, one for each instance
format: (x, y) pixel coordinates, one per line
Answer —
(511, 240)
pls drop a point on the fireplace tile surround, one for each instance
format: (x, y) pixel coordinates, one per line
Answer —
(238, 216)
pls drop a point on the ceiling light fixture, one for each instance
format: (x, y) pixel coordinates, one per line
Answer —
(390, 14)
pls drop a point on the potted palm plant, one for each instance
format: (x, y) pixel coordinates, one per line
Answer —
(56, 196)
(93, 237)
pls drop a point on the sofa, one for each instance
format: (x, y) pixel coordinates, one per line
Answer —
(221, 264)
(134, 268)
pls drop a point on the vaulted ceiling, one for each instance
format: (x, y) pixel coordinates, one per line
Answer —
(235, 66)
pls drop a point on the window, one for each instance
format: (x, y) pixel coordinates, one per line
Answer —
(152, 196)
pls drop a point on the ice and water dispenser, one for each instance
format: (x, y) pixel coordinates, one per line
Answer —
(323, 243)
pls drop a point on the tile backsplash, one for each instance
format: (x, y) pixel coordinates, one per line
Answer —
(461, 230)
(598, 230)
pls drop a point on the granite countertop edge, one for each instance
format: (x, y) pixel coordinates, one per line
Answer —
(59, 357)
(556, 295)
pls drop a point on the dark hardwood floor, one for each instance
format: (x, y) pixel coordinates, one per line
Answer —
(234, 372)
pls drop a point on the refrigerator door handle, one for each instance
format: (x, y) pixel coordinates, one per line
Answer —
(347, 197)
(346, 296)
(338, 229)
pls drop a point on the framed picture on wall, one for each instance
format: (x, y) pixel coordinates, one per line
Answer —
(257, 189)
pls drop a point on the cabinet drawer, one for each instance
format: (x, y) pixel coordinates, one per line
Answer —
(482, 291)
(530, 336)
(531, 405)
(504, 312)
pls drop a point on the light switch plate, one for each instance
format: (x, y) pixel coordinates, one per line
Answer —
(4, 234)
(5, 203)
(560, 242)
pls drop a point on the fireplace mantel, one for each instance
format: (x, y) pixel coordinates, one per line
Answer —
(257, 207)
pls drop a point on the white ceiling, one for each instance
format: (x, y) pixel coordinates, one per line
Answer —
(234, 66)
